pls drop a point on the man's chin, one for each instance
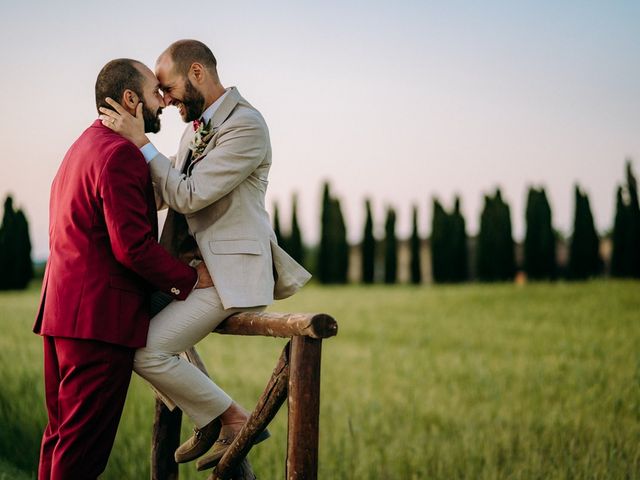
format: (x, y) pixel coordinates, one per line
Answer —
(155, 128)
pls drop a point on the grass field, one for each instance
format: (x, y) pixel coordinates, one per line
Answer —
(472, 381)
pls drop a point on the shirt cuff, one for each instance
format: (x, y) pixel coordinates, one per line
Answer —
(149, 151)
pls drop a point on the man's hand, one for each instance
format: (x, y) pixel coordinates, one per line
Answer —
(204, 278)
(122, 122)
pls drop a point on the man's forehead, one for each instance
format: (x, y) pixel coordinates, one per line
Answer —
(164, 66)
(148, 75)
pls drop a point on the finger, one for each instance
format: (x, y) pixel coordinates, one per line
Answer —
(108, 118)
(139, 110)
(108, 122)
(108, 112)
(115, 105)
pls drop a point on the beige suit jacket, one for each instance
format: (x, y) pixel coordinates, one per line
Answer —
(223, 200)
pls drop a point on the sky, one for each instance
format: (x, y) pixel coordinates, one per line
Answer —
(399, 101)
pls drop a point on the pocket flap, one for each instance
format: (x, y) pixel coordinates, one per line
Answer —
(233, 247)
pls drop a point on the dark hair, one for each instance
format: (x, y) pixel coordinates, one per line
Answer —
(116, 77)
(185, 52)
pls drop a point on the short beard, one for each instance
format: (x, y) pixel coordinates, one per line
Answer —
(193, 102)
(151, 119)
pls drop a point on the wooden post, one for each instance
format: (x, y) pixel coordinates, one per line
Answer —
(268, 405)
(164, 441)
(304, 409)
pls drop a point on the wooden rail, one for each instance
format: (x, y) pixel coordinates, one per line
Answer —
(296, 376)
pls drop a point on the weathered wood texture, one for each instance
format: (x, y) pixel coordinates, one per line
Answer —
(165, 440)
(315, 325)
(268, 405)
(194, 357)
(304, 409)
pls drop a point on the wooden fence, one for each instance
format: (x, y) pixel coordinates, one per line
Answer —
(296, 375)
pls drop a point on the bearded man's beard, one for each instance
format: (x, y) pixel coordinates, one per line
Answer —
(151, 119)
(193, 102)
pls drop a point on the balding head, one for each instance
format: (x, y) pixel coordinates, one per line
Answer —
(188, 77)
(116, 77)
(184, 53)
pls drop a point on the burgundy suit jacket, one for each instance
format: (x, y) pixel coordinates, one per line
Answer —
(104, 255)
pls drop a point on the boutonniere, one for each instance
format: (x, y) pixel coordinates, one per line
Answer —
(203, 134)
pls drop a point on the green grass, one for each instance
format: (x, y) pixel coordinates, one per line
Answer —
(9, 472)
(472, 381)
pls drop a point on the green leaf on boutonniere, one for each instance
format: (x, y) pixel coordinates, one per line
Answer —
(201, 139)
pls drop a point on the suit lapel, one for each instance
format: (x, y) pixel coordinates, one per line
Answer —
(221, 114)
(183, 149)
(226, 107)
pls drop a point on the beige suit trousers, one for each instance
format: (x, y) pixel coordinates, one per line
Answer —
(175, 329)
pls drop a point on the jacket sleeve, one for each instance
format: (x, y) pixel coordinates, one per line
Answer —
(157, 192)
(239, 150)
(123, 190)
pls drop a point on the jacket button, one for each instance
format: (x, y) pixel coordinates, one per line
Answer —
(175, 291)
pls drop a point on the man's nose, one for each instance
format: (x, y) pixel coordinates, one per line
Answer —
(167, 99)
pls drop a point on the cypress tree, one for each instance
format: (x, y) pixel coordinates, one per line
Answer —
(584, 249)
(7, 245)
(449, 256)
(505, 244)
(333, 257)
(439, 245)
(390, 248)
(531, 239)
(368, 249)
(341, 246)
(625, 258)
(458, 234)
(484, 243)
(548, 238)
(5, 228)
(416, 273)
(324, 253)
(16, 268)
(620, 265)
(24, 266)
(633, 240)
(295, 244)
(282, 241)
(539, 243)
(496, 254)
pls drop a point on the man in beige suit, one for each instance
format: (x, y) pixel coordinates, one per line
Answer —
(215, 189)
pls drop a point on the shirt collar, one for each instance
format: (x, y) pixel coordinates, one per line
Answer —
(211, 109)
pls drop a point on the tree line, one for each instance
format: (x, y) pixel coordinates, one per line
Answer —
(494, 256)
(494, 248)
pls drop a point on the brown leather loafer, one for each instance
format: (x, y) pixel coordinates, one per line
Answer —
(226, 438)
(198, 444)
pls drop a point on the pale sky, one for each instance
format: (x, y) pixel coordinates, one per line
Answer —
(398, 101)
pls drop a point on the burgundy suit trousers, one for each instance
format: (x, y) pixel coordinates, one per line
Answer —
(86, 383)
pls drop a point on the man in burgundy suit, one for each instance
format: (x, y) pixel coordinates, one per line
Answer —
(104, 262)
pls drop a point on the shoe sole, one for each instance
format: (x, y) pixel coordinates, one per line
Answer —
(210, 463)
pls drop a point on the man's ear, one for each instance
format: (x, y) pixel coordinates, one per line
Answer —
(130, 100)
(196, 73)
